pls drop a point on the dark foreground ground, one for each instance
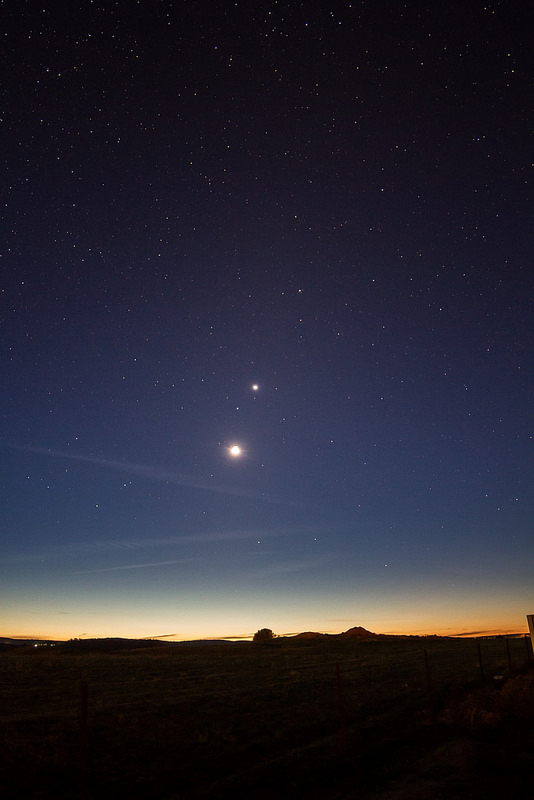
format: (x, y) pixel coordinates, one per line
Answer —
(387, 719)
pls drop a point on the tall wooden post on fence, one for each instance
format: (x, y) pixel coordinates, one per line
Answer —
(342, 732)
(84, 737)
(428, 675)
(509, 655)
(480, 664)
(530, 620)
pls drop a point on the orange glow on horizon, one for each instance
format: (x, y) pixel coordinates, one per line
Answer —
(455, 632)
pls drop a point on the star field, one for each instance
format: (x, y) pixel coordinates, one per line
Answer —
(302, 231)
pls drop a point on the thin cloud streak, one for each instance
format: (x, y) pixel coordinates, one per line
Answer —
(220, 536)
(157, 474)
(134, 566)
(118, 545)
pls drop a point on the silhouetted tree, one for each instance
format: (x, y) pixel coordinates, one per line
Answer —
(263, 635)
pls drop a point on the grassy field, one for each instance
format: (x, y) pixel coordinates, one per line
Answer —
(307, 719)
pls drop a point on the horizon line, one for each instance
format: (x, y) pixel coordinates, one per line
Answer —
(249, 636)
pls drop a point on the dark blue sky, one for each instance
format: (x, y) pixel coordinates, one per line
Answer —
(331, 201)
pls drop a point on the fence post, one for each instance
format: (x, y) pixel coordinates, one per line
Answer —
(527, 645)
(530, 620)
(342, 734)
(84, 736)
(429, 683)
(480, 662)
(508, 654)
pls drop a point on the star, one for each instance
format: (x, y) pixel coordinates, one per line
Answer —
(235, 450)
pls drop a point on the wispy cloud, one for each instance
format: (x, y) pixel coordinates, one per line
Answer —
(217, 536)
(489, 632)
(155, 473)
(133, 566)
(73, 550)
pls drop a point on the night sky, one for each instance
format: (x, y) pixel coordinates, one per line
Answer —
(301, 229)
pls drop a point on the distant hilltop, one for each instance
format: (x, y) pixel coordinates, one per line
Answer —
(352, 633)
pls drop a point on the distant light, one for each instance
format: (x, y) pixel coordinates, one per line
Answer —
(255, 387)
(235, 450)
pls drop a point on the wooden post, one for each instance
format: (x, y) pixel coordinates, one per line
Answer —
(480, 662)
(530, 620)
(507, 640)
(84, 737)
(342, 733)
(429, 683)
(527, 645)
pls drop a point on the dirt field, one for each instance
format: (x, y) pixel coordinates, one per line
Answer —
(390, 719)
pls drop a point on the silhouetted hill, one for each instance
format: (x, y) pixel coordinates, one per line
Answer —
(358, 633)
(352, 633)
